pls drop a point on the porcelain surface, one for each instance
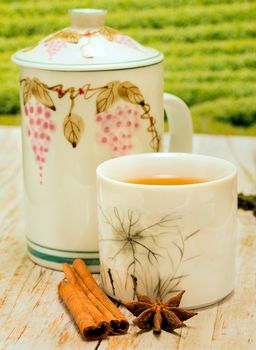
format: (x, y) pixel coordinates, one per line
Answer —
(163, 239)
(87, 45)
(74, 120)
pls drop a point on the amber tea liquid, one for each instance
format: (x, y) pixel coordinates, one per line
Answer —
(165, 180)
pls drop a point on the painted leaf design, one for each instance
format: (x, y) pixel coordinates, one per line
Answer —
(73, 128)
(107, 97)
(130, 93)
(108, 32)
(41, 93)
(27, 90)
(68, 36)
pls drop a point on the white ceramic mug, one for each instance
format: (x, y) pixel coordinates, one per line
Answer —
(88, 93)
(167, 238)
(60, 184)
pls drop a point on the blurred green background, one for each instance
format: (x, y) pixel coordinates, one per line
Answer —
(209, 45)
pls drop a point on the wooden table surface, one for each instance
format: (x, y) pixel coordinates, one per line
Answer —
(31, 316)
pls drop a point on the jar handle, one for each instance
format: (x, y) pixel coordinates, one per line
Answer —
(180, 124)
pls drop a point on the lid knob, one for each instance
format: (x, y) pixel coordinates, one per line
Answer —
(87, 18)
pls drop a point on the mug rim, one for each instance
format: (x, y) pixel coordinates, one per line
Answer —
(100, 170)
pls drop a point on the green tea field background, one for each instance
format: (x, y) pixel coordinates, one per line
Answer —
(209, 48)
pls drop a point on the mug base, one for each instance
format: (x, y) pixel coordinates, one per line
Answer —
(185, 306)
(54, 258)
(58, 266)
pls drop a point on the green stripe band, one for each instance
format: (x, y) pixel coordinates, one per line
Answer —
(63, 250)
(61, 259)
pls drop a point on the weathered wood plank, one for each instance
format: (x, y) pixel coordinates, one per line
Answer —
(239, 150)
(31, 315)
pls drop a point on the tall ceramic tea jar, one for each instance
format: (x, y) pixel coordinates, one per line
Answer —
(88, 93)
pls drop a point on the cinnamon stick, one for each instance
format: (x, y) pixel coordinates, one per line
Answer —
(117, 321)
(89, 321)
(73, 277)
(95, 315)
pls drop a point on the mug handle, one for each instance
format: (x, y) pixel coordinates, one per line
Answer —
(180, 124)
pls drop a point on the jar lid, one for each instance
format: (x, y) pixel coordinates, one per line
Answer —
(87, 45)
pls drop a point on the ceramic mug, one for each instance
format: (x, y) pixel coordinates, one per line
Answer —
(88, 93)
(160, 238)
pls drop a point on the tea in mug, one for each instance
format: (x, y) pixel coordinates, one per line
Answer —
(165, 180)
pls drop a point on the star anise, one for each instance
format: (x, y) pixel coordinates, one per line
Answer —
(156, 315)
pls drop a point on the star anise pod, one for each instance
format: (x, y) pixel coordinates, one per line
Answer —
(156, 315)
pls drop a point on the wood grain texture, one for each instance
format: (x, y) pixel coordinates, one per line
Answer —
(31, 315)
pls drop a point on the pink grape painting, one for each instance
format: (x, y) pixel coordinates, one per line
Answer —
(39, 129)
(115, 129)
(54, 46)
(129, 42)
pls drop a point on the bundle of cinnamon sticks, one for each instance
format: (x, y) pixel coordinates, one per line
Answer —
(94, 313)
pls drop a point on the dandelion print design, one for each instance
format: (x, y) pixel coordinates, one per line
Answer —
(132, 241)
